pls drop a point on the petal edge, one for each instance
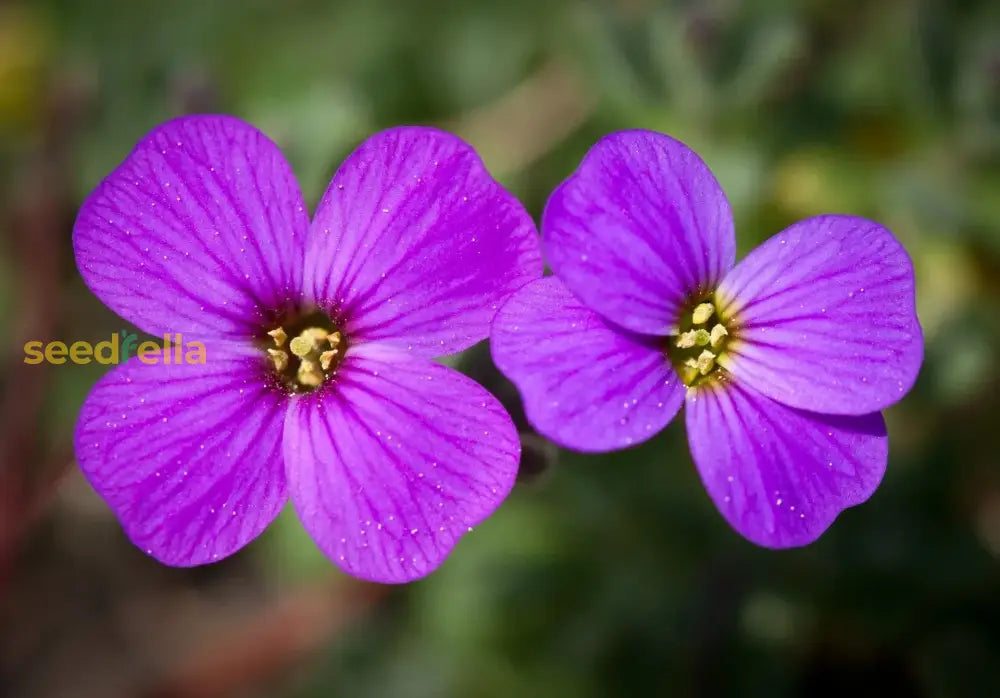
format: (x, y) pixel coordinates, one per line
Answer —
(827, 317)
(188, 456)
(639, 227)
(415, 244)
(200, 229)
(778, 475)
(397, 461)
(586, 385)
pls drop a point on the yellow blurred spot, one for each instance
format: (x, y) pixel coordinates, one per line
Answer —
(25, 51)
(947, 282)
(801, 182)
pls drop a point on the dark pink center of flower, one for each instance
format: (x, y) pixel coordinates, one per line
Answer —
(700, 341)
(304, 350)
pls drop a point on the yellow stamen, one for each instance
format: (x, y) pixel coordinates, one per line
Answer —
(314, 334)
(279, 336)
(702, 313)
(688, 371)
(698, 347)
(326, 358)
(686, 340)
(705, 362)
(718, 336)
(309, 373)
(307, 341)
(310, 355)
(279, 358)
(300, 346)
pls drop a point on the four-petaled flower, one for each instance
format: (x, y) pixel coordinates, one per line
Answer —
(318, 383)
(784, 360)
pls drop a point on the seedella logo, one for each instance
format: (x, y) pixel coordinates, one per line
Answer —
(118, 349)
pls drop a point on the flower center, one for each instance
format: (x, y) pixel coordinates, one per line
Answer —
(305, 351)
(701, 339)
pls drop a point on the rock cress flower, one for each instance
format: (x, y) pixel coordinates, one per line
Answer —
(783, 360)
(319, 382)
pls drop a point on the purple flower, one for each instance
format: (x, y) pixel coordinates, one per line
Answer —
(319, 383)
(783, 360)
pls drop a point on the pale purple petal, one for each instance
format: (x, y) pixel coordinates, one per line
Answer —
(187, 455)
(826, 318)
(415, 245)
(780, 476)
(396, 461)
(640, 227)
(199, 230)
(586, 385)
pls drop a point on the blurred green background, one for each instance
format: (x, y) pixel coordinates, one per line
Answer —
(602, 575)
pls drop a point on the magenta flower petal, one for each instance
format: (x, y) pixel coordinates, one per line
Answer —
(586, 385)
(415, 245)
(826, 317)
(780, 476)
(640, 227)
(198, 229)
(187, 455)
(390, 467)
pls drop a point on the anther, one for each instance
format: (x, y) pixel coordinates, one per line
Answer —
(309, 374)
(306, 355)
(702, 313)
(326, 358)
(279, 336)
(699, 343)
(686, 340)
(307, 341)
(279, 358)
(718, 336)
(706, 362)
(693, 338)
(314, 334)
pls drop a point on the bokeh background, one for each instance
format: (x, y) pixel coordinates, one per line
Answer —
(602, 575)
